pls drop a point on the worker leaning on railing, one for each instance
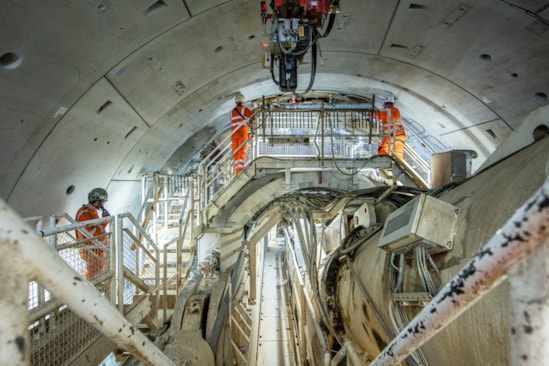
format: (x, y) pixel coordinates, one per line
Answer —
(90, 253)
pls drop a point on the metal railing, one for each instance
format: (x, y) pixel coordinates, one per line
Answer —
(170, 214)
(318, 132)
(138, 264)
(58, 334)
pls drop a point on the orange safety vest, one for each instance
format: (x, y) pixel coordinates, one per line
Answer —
(86, 213)
(94, 257)
(394, 128)
(238, 115)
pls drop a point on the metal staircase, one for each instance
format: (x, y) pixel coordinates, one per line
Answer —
(152, 257)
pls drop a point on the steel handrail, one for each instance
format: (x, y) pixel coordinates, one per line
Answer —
(35, 259)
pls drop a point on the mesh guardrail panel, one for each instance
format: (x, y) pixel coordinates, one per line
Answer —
(60, 335)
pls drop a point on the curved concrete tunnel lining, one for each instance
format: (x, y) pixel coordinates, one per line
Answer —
(98, 95)
(157, 54)
(147, 142)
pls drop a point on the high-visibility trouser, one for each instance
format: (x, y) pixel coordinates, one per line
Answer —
(94, 258)
(239, 152)
(398, 141)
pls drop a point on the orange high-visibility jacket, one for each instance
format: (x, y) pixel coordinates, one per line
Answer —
(238, 115)
(394, 128)
(88, 212)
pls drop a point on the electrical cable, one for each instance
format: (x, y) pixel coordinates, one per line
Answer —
(333, 155)
(313, 68)
(400, 277)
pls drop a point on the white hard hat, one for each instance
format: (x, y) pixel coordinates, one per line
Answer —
(390, 99)
(239, 98)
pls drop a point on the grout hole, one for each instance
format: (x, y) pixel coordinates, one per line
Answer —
(70, 189)
(10, 61)
(541, 96)
(156, 7)
(540, 132)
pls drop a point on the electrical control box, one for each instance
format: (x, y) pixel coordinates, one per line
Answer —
(424, 220)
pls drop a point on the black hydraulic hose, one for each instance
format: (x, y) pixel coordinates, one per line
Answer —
(272, 70)
(313, 68)
(331, 22)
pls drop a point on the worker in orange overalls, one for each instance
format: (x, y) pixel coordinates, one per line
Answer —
(240, 117)
(91, 253)
(394, 135)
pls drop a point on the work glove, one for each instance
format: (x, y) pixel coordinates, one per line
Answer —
(105, 212)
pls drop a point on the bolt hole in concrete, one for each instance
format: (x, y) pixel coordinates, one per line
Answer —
(10, 61)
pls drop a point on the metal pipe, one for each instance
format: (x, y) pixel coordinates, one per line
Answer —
(523, 233)
(165, 285)
(14, 336)
(529, 310)
(41, 263)
(120, 263)
(53, 230)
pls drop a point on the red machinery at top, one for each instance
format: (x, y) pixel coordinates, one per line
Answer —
(312, 9)
(296, 28)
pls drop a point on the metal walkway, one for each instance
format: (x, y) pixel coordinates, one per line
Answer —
(149, 259)
(274, 336)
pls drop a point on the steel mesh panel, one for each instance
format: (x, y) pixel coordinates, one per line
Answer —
(286, 150)
(136, 260)
(130, 262)
(130, 254)
(60, 337)
(338, 147)
(37, 295)
(130, 292)
(72, 257)
(73, 251)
